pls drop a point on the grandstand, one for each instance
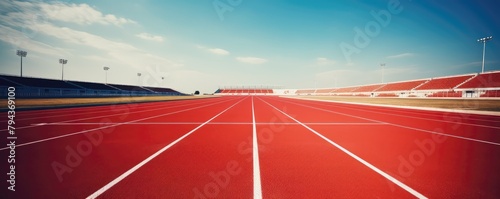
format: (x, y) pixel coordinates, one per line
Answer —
(160, 90)
(323, 91)
(466, 85)
(38, 82)
(369, 88)
(30, 87)
(445, 83)
(402, 86)
(484, 80)
(345, 90)
(129, 88)
(90, 85)
(246, 91)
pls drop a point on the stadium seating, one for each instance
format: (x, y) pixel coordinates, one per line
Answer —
(369, 88)
(128, 88)
(161, 90)
(444, 82)
(90, 85)
(484, 80)
(401, 86)
(6, 82)
(324, 91)
(345, 90)
(39, 82)
(39, 87)
(245, 91)
(467, 86)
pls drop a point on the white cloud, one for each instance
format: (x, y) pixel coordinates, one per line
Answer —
(123, 53)
(82, 14)
(150, 37)
(216, 51)
(18, 40)
(321, 61)
(403, 55)
(251, 60)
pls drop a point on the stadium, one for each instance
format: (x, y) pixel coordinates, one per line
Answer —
(131, 114)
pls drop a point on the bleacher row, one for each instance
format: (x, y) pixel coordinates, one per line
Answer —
(39, 87)
(256, 91)
(468, 85)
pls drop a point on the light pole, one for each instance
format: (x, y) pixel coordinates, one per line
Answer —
(139, 75)
(382, 66)
(484, 40)
(162, 78)
(21, 54)
(62, 62)
(106, 74)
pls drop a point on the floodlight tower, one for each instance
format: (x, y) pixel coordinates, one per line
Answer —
(484, 40)
(21, 54)
(382, 66)
(106, 74)
(62, 62)
(162, 78)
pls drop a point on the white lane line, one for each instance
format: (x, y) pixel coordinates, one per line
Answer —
(257, 187)
(423, 111)
(406, 127)
(102, 116)
(104, 127)
(392, 179)
(407, 116)
(212, 123)
(84, 110)
(136, 167)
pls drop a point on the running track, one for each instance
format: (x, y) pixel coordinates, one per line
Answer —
(253, 147)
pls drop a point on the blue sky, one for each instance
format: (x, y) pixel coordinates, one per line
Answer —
(212, 43)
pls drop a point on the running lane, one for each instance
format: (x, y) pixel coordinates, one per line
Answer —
(77, 165)
(437, 165)
(296, 163)
(211, 162)
(55, 128)
(467, 126)
(26, 119)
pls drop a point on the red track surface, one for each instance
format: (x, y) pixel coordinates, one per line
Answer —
(204, 149)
